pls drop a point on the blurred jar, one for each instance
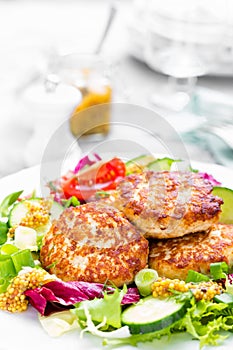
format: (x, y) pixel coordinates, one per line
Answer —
(47, 109)
(90, 74)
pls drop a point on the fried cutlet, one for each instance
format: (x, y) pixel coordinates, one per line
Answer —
(173, 258)
(94, 242)
(168, 204)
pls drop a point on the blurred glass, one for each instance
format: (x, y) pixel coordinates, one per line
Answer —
(184, 39)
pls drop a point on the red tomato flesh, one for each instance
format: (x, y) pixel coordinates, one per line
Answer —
(101, 176)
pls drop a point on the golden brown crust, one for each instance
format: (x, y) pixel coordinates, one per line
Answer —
(168, 204)
(173, 258)
(94, 243)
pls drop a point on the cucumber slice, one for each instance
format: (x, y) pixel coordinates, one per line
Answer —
(152, 314)
(225, 298)
(226, 216)
(137, 164)
(20, 210)
(162, 164)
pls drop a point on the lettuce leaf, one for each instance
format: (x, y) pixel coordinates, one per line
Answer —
(59, 323)
(134, 339)
(58, 295)
(107, 309)
(98, 311)
(205, 320)
(7, 203)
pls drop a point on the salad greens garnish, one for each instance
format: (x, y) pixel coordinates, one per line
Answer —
(107, 309)
(194, 276)
(3, 232)
(146, 337)
(204, 321)
(71, 202)
(11, 264)
(218, 270)
(7, 203)
(5, 206)
(97, 308)
(91, 327)
(59, 323)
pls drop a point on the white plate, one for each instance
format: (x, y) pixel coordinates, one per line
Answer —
(23, 331)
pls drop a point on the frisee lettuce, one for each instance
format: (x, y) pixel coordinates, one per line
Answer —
(121, 333)
(204, 321)
(134, 339)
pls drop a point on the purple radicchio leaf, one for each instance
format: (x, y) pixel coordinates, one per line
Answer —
(230, 278)
(58, 295)
(210, 178)
(132, 296)
(86, 161)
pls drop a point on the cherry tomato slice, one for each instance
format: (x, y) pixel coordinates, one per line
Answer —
(111, 170)
(98, 178)
(102, 172)
(71, 188)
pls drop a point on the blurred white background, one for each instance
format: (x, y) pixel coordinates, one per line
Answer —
(33, 32)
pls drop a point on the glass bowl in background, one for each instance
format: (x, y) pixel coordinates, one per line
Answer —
(199, 21)
(191, 29)
(184, 40)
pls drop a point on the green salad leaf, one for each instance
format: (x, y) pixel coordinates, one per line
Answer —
(194, 276)
(7, 202)
(59, 323)
(107, 309)
(134, 339)
(71, 202)
(205, 320)
(3, 232)
(218, 270)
